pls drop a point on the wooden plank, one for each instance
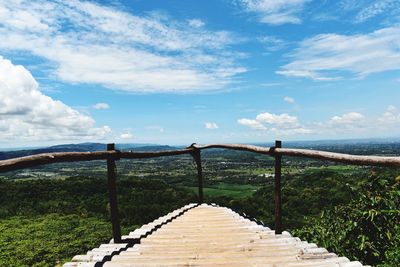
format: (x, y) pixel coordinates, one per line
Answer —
(315, 154)
(48, 158)
(112, 192)
(57, 157)
(250, 148)
(199, 245)
(155, 154)
(278, 190)
(339, 157)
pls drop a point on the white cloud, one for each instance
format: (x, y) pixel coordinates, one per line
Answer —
(391, 116)
(376, 8)
(276, 12)
(26, 114)
(351, 123)
(350, 5)
(154, 128)
(284, 120)
(90, 43)
(253, 124)
(211, 125)
(348, 125)
(282, 124)
(272, 43)
(294, 131)
(356, 125)
(101, 106)
(326, 56)
(379, 12)
(126, 135)
(289, 99)
(350, 118)
(197, 23)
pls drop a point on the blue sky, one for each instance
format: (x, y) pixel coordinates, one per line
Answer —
(177, 72)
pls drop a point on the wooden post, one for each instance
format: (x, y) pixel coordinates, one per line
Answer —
(278, 191)
(197, 158)
(112, 191)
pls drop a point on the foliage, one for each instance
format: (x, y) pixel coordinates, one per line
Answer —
(140, 201)
(233, 191)
(79, 219)
(46, 240)
(367, 228)
(304, 194)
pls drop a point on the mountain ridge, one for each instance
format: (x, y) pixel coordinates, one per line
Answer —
(82, 147)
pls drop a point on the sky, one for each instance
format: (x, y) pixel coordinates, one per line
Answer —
(178, 72)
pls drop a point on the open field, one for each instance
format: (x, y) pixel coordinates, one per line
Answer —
(226, 189)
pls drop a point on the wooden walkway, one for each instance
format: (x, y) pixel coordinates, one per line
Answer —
(208, 235)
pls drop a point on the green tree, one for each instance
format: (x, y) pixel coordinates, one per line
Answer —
(366, 229)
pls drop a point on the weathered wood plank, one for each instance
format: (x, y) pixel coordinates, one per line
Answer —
(278, 190)
(112, 194)
(195, 247)
(339, 157)
(250, 148)
(48, 158)
(58, 157)
(308, 153)
(140, 155)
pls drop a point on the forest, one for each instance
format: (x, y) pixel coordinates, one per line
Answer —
(51, 213)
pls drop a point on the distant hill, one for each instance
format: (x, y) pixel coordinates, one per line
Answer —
(152, 148)
(82, 147)
(79, 147)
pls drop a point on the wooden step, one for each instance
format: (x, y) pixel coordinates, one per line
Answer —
(207, 235)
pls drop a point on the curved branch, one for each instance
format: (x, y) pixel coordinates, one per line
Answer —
(250, 148)
(47, 158)
(339, 157)
(155, 154)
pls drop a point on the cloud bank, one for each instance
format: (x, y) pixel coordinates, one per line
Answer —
(282, 124)
(329, 56)
(275, 12)
(26, 114)
(101, 106)
(211, 125)
(351, 124)
(86, 42)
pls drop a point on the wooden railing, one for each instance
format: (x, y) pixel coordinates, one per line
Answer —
(112, 155)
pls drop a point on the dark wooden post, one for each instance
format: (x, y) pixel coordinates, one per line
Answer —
(278, 191)
(112, 191)
(197, 158)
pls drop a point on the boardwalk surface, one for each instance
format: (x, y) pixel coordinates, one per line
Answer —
(208, 235)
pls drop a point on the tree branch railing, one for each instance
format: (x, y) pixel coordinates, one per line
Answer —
(111, 155)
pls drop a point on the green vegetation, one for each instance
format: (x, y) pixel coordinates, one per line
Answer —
(351, 210)
(48, 240)
(233, 191)
(46, 222)
(304, 194)
(367, 228)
